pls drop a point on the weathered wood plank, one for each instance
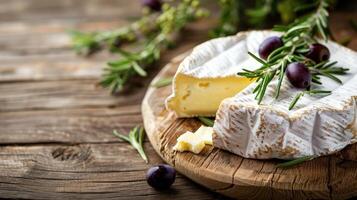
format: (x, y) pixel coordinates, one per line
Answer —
(16, 28)
(42, 10)
(59, 66)
(63, 94)
(102, 171)
(57, 63)
(88, 125)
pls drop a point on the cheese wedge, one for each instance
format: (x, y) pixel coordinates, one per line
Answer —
(194, 142)
(204, 79)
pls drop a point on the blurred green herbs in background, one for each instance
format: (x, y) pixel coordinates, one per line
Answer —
(157, 29)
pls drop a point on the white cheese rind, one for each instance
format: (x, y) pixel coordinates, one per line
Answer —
(222, 57)
(316, 126)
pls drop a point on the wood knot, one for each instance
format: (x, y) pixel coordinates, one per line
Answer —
(72, 153)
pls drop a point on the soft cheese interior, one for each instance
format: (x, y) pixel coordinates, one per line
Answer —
(209, 75)
(318, 125)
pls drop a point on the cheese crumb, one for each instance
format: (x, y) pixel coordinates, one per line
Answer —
(194, 142)
(205, 133)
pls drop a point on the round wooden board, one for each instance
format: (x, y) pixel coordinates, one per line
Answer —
(329, 177)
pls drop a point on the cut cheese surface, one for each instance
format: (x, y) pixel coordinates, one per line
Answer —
(202, 96)
(209, 75)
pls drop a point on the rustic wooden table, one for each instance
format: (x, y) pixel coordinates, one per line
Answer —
(56, 123)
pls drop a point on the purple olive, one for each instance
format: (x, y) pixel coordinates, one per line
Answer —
(269, 45)
(154, 5)
(298, 75)
(318, 53)
(161, 176)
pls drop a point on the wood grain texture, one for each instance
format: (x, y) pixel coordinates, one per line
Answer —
(237, 177)
(83, 171)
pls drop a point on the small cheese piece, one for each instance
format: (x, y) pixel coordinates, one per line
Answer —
(205, 133)
(194, 142)
(189, 142)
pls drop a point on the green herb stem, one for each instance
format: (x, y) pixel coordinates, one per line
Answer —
(88, 43)
(169, 22)
(162, 82)
(296, 38)
(206, 121)
(294, 162)
(136, 139)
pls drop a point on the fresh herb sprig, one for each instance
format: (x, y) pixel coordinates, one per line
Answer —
(207, 121)
(327, 69)
(296, 38)
(88, 43)
(117, 73)
(136, 139)
(162, 82)
(169, 22)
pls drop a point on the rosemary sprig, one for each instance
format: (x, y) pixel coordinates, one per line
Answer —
(88, 43)
(162, 82)
(292, 163)
(206, 121)
(296, 38)
(328, 70)
(136, 139)
(169, 22)
(117, 73)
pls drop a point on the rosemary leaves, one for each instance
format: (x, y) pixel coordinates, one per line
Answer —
(298, 38)
(170, 21)
(136, 139)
